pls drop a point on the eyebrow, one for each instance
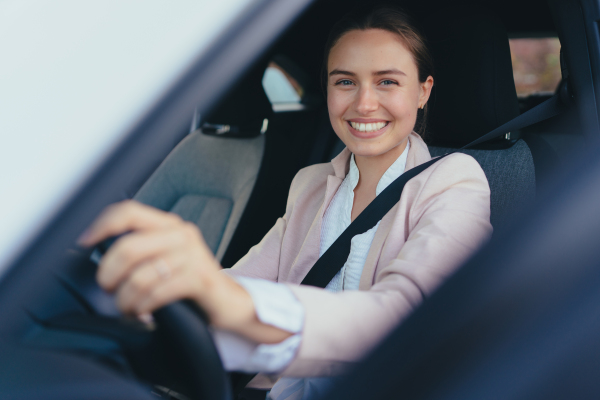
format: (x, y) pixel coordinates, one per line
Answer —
(340, 72)
(392, 71)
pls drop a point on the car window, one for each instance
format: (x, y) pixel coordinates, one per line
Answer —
(283, 90)
(536, 65)
(75, 76)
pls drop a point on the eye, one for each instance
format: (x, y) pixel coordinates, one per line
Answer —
(344, 82)
(388, 82)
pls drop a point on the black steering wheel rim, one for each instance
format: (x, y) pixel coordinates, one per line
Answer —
(195, 362)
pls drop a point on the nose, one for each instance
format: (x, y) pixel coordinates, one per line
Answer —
(366, 101)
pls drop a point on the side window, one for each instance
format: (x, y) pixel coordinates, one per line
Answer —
(536, 65)
(284, 91)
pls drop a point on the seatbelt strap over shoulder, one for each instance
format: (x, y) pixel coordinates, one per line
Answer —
(332, 261)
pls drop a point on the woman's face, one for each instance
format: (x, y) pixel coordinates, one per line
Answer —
(373, 92)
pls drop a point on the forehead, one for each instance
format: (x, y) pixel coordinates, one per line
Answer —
(372, 50)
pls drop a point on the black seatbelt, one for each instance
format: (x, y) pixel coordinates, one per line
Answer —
(332, 261)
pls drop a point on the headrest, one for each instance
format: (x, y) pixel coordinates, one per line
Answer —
(474, 89)
(242, 111)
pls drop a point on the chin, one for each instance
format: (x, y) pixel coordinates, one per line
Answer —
(368, 150)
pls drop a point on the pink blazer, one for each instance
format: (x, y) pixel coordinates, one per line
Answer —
(443, 215)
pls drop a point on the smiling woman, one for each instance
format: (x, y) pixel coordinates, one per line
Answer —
(264, 320)
(374, 90)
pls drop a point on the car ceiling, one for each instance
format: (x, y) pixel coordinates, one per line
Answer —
(304, 41)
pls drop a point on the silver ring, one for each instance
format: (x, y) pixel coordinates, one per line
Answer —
(162, 269)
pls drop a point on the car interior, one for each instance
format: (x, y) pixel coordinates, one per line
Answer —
(231, 173)
(243, 186)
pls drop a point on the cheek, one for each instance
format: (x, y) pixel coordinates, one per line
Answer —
(403, 108)
(400, 105)
(334, 103)
(337, 104)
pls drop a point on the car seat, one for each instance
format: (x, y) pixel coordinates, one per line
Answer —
(209, 176)
(474, 92)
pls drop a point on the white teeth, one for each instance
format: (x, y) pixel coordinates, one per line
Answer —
(372, 127)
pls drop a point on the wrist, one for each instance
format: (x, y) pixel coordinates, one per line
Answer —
(228, 305)
(232, 308)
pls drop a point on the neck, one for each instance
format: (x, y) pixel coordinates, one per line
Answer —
(372, 168)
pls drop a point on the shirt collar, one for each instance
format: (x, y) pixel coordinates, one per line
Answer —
(392, 173)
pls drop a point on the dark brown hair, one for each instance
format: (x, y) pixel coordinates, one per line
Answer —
(395, 21)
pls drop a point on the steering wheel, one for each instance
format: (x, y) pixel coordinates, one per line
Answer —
(179, 354)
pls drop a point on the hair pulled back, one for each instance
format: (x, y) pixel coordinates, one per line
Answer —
(395, 21)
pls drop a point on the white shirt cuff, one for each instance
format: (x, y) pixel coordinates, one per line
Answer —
(275, 305)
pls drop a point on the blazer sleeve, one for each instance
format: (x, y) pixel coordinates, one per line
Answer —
(448, 219)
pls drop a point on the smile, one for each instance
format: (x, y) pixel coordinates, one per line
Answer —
(369, 127)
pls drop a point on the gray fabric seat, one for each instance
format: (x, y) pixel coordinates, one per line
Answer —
(209, 176)
(510, 173)
(207, 180)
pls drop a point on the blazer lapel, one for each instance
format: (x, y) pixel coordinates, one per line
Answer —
(309, 252)
(418, 153)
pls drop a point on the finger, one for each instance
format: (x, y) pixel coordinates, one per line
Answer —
(135, 248)
(178, 287)
(142, 281)
(139, 285)
(126, 216)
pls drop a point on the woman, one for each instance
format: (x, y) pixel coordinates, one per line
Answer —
(378, 74)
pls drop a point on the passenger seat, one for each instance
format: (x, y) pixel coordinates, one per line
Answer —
(209, 176)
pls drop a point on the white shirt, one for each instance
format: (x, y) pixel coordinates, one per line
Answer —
(276, 305)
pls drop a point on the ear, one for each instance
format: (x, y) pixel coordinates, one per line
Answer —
(425, 91)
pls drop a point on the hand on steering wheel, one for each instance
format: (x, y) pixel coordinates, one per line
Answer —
(135, 267)
(162, 259)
